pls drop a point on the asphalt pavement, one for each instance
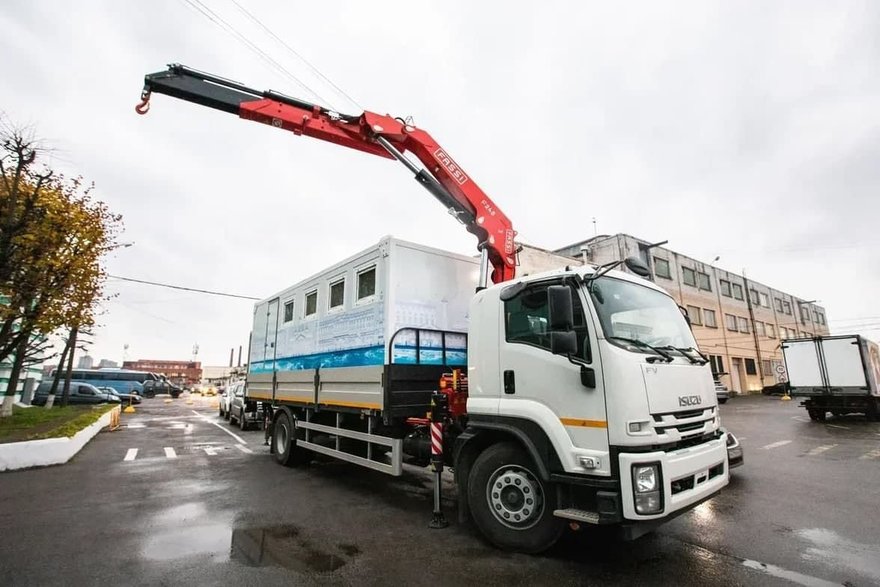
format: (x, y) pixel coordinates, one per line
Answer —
(177, 496)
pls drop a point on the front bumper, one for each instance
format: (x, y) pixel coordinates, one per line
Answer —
(689, 476)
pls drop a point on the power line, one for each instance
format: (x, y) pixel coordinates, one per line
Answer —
(228, 28)
(180, 287)
(314, 69)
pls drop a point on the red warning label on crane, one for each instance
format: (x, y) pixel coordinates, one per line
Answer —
(451, 166)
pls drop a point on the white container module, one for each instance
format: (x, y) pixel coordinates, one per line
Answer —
(395, 312)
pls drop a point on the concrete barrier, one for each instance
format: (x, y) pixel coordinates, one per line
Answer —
(50, 451)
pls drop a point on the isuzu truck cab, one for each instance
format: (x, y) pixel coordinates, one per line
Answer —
(599, 380)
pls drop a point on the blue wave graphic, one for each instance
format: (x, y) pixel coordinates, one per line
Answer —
(362, 357)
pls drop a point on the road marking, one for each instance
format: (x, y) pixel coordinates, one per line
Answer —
(170, 453)
(229, 432)
(135, 425)
(776, 444)
(244, 449)
(210, 451)
(188, 430)
(800, 418)
(820, 449)
(837, 426)
(740, 438)
(131, 454)
(871, 455)
(792, 576)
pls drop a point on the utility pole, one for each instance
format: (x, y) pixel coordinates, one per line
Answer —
(748, 292)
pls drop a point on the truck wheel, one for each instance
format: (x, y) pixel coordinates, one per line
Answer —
(872, 413)
(817, 414)
(510, 504)
(284, 442)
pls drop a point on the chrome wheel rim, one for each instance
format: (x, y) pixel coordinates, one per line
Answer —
(281, 437)
(515, 497)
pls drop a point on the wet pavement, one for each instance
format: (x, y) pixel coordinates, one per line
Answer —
(177, 496)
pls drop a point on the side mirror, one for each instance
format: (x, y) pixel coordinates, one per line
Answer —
(684, 313)
(560, 308)
(563, 343)
(637, 266)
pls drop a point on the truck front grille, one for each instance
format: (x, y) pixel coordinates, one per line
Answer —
(686, 424)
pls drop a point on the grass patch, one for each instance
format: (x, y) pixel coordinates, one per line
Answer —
(38, 422)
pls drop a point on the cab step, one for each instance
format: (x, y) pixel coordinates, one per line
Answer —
(578, 515)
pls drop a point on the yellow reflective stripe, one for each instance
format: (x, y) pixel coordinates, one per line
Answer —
(580, 422)
(369, 406)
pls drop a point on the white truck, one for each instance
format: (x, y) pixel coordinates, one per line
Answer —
(586, 402)
(564, 398)
(837, 374)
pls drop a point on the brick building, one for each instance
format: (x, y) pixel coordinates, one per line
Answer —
(738, 322)
(178, 372)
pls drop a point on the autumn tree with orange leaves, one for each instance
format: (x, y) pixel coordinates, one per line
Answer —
(53, 237)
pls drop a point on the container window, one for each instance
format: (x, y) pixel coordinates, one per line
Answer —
(312, 303)
(366, 283)
(288, 311)
(337, 294)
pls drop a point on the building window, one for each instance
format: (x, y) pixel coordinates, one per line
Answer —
(765, 366)
(694, 315)
(367, 283)
(730, 320)
(337, 294)
(771, 332)
(743, 324)
(661, 268)
(717, 362)
(288, 311)
(709, 318)
(778, 304)
(703, 281)
(805, 314)
(724, 285)
(786, 307)
(312, 303)
(765, 300)
(753, 294)
(750, 367)
(689, 276)
(737, 291)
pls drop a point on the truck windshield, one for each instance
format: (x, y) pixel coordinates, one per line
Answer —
(631, 311)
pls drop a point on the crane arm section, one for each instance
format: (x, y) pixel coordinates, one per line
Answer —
(377, 134)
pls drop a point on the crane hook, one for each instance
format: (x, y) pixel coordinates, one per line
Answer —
(144, 106)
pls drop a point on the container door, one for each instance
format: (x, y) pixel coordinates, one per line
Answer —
(269, 352)
(803, 366)
(843, 365)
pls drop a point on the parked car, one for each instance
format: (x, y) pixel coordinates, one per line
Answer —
(125, 398)
(80, 394)
(776, 389)
(237, 414)
(721, 392)
(226, 398)
(152, 388)
(734, 451)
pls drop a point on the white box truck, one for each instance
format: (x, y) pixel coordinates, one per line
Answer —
(837, 374)
(585, 401)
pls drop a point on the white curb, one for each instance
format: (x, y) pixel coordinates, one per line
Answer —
(49, 451)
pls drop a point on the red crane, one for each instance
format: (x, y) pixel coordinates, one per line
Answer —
(372, 133)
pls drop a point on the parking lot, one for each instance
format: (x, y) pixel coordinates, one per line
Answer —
(177, 496)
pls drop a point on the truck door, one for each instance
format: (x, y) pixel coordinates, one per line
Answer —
(546, 388)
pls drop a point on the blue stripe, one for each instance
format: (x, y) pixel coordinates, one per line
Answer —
(361, 357)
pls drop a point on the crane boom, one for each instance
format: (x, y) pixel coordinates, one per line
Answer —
(377, 134)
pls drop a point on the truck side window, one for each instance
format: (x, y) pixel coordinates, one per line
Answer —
(526, 320)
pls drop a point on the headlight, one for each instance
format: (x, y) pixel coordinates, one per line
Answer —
(645, 478)
(647, 488)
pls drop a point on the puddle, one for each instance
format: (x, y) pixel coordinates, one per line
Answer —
(188, 540)
(284, 546)
(834, 550)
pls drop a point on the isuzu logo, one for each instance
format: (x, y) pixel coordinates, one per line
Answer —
(689, 400)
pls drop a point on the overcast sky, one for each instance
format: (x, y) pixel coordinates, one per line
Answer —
(745, 130)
